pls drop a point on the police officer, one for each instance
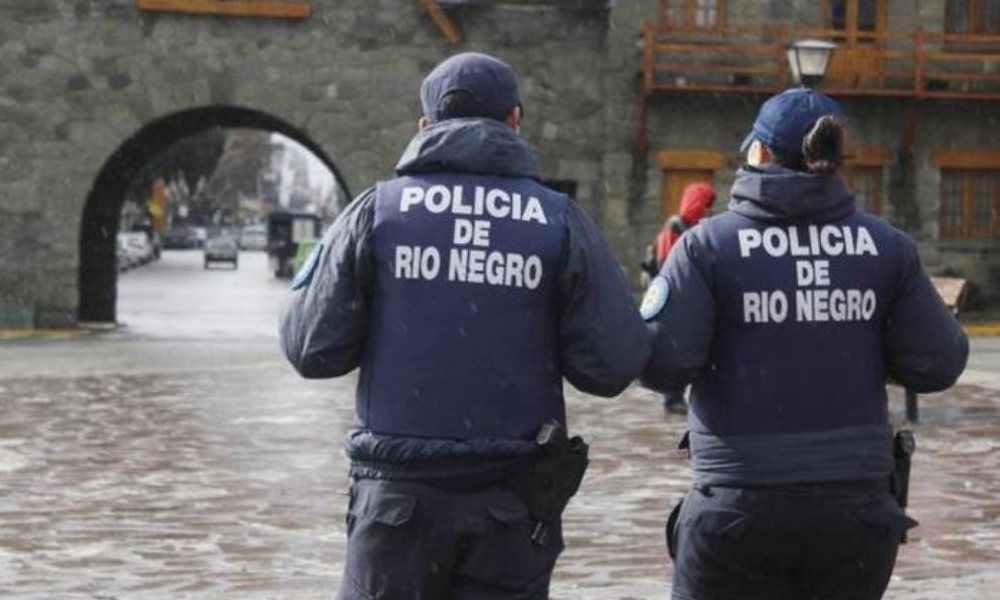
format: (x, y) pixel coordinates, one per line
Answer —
(465, 291)
(787, 313)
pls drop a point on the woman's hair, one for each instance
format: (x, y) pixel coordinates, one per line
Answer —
(822, 148)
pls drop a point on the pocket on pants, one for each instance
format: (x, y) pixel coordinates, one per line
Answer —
(884, 517)
(503, 557)
(383, 546)
(671, 529)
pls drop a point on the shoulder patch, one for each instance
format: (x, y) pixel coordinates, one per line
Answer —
(306, 270)
(655, 298)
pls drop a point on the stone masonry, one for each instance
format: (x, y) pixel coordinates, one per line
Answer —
(78, 78)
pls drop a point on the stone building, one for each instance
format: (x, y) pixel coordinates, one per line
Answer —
(625, 101)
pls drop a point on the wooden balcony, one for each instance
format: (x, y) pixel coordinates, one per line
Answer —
(753, 61)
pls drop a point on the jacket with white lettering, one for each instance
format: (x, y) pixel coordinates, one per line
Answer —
(465, 291)
(787, 313)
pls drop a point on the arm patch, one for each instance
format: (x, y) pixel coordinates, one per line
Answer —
(304, 276)
(655, 298)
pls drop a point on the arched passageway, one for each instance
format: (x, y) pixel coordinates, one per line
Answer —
(98, 274)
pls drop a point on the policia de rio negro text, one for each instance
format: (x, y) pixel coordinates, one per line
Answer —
(787, 313)
(465, 291)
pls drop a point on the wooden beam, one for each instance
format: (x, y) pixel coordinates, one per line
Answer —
(948, 158)
(869, 155)
(690, 159)
(230, 8)
(445, 24)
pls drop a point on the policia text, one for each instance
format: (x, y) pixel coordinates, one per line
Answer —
(814, 299)
(470, 260)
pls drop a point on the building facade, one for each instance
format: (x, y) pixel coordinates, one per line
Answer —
(920, 82)
(626, 101)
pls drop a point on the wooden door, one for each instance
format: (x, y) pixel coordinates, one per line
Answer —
(674, 182)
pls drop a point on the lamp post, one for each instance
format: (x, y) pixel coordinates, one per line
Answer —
(809, 60)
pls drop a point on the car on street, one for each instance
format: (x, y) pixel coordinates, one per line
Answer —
(138, 249)
(122, 257)
(253, 237)
(222, 249)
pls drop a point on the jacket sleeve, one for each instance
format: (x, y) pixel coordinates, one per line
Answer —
(603, 342)
(325, 325)
(925, 348)
(682, 331)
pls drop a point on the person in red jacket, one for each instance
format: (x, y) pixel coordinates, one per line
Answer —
(696, 201)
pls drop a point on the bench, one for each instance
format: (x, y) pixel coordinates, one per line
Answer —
(952, 290)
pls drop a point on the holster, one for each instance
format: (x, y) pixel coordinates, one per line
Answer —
(552, 479)
(904, 444)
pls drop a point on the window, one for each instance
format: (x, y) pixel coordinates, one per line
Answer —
(970, 193)
(970, 200)
(680, 168)
(972, 16)
(691, 14)
(866, 17)
(866, 184)
(864, 173)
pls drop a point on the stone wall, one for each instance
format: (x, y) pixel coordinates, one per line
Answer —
(79, 78)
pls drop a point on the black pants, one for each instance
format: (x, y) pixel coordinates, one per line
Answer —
(794, 543)
(410, 541)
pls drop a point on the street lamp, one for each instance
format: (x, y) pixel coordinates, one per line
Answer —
(809, 60)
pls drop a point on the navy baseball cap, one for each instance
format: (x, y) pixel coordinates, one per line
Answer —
(490, 81)
(785, 119)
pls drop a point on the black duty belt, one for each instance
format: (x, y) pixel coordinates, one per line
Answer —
(819, 487)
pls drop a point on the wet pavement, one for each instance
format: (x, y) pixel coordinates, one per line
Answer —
(178, 456)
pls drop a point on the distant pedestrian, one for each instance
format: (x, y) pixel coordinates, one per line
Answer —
(788, 313)
(465, 291)
(696, 202)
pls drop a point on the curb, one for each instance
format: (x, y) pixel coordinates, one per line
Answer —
(982, 329)
(50, 334)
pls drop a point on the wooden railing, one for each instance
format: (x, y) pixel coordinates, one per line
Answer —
(753, 60)
(230, 8)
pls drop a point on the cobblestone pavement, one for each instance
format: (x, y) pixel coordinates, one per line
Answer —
(163, 461)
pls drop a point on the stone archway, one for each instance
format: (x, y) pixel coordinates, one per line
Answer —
(98, 276)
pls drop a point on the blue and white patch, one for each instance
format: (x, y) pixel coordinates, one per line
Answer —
(655, 298)
(306, 271)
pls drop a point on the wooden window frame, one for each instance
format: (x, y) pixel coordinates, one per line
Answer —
(851, 30)
(690, 19)
(869, 157)
(968, 166)
(680, 161)
(971, 13)
(690, 159)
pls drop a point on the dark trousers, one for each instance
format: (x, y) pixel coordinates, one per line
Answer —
(410, 541)
(801, 543)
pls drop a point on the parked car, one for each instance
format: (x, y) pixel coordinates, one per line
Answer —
(179, 238)
(253, 237)
(122, 258)
(222, 249)
(138, 248)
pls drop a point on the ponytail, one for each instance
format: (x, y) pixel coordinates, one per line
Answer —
(823, 146)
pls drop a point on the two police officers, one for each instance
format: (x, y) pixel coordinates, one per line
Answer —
(465, 291)
(787, 313)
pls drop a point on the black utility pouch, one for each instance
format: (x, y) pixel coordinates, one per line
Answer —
(552, 479)
(904, 444)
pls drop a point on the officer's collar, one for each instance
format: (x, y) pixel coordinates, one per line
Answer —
(774, 193)
(480, 146)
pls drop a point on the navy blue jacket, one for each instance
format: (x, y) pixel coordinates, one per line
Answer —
(462, 361)
(787, 313)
